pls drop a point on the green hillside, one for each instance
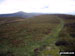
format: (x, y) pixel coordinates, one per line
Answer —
(34, 36)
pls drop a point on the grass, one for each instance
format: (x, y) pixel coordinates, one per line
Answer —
(34, 36)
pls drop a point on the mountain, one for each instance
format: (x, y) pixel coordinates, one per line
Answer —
(20, 14)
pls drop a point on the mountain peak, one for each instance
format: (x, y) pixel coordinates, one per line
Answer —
(21, 12)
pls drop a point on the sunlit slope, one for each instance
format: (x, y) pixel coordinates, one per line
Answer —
(22, 38)
(50, 41)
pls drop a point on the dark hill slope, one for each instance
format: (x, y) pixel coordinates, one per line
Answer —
(66, 41)
(65, 16)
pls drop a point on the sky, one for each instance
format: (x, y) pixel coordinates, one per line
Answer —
(40, 6)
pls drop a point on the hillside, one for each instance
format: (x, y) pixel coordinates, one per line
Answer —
(66, 41)
(35, 36)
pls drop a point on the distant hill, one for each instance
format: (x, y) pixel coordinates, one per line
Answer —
(20, 14)
(27, 15)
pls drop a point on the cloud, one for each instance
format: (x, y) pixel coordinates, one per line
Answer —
(45, 6)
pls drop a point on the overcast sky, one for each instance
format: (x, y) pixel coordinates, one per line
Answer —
(44, 6)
